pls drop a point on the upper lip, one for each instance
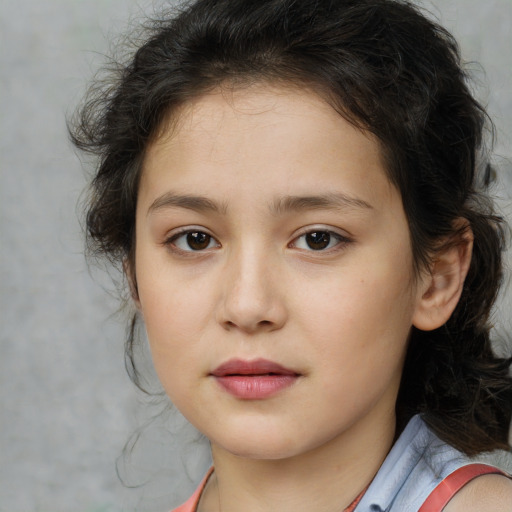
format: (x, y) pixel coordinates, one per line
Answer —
(255, 367)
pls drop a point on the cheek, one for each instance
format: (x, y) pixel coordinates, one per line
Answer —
(176, 314)
(359, 338)
(173, 316)
(360, 316)
(174, 335)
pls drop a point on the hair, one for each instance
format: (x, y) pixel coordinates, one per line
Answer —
(389, 70)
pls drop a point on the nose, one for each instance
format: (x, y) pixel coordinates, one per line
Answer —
(252, 294)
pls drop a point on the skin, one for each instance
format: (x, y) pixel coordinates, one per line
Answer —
(489, 493)
(339, 317)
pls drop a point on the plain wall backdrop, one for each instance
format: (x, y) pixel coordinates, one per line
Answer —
(66, 405)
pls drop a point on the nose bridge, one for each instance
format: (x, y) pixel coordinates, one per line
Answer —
(251, 299)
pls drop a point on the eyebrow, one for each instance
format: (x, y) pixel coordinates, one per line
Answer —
(190, 202)
(280, 206)
(330, 201)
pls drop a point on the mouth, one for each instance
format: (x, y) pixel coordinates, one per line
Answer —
(253, 380)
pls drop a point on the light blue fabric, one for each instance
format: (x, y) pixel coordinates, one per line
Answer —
(418, 461)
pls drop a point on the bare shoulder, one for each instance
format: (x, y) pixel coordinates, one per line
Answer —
(487, 493)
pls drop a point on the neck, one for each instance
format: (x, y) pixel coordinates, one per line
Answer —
(324, 479)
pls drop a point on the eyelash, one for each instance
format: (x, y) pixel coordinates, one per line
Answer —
(341, 241)
(171, 241)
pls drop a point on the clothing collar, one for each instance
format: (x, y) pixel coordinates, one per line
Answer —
(392, 475)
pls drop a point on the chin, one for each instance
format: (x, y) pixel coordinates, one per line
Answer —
(261, 452)
(260, 446)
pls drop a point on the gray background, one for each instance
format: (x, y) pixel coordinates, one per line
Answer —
(66, 405)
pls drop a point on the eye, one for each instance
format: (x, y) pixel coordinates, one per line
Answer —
(192, 241)
(319, 240)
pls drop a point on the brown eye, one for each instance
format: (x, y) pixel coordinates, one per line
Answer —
(318, 240)
(198, 241)
(192, 241)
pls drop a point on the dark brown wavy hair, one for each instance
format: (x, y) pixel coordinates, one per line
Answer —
(386, 68)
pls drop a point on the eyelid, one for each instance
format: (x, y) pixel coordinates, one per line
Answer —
(343, 238)
(175, 234)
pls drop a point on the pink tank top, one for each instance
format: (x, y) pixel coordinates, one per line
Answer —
(436, 501)
(191, 504)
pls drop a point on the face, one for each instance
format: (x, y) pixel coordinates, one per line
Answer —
(274, 272)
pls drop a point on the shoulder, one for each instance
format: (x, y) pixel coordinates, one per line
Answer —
(487, 493)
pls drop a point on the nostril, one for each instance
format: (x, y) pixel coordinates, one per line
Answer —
(251, 316)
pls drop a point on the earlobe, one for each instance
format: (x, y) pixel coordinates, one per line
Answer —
(441, 289)
(129, 272)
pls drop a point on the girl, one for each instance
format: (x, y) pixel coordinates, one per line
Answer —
(291, 189)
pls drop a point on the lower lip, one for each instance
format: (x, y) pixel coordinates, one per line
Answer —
(255, 387)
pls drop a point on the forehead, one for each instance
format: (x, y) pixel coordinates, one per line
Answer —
(283, 136)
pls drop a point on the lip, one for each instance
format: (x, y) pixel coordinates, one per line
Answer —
(253, 380)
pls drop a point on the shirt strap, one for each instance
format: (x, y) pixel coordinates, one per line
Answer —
(354, 504)
(453, 483)
(191, 504)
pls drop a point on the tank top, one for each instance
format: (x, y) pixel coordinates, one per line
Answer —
(418, 468)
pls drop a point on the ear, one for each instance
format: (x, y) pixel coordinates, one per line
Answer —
(441, 288)
(129, 272)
